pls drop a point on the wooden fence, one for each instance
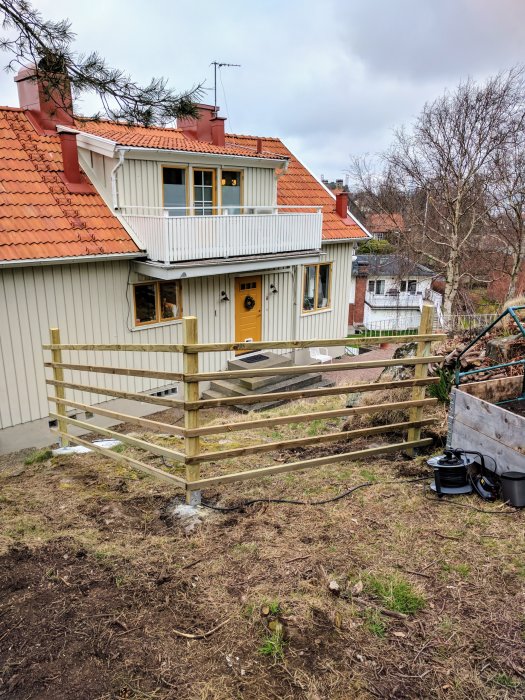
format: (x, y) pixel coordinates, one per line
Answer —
(193, 456)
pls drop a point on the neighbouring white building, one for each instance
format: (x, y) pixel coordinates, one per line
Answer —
(112, 233)
(387, 292)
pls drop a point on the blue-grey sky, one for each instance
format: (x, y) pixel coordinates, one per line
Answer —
(332, 78)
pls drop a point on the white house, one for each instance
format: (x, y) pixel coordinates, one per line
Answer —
(387, 292)
(156, 223)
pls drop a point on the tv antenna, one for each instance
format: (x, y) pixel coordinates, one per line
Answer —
(217, 64)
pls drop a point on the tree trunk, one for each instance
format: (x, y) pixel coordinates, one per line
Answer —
(451, 284)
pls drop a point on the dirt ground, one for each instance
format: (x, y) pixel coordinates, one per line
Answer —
(386, 593)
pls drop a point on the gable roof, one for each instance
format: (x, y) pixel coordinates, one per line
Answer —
(39, 217)
(298, 186)
(394, 266)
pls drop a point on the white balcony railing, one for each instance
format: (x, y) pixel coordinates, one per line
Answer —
(170, 237)
(404, 300)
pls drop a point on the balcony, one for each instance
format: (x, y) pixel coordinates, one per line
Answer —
(402, 300)
(170, 236)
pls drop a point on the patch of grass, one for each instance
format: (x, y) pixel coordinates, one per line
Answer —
(274, 606)
(395, 593)
(374, 623)
(506, 681)
(39, 456)
(368, 475)
(273, 646)
(118, 448)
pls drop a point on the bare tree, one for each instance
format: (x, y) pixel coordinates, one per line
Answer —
(508, 215)
(32, 40)
(446, 166)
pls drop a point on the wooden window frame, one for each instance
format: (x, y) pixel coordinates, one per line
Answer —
(328, 307)
(241, 185)
(214, 173)
(186, 180)
(158, 320)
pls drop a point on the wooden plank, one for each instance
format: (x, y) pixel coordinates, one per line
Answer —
(494, 390)
(308, 369)
(58, 375)
(308, 393)
(493, 421)
(172, 376)
(421, 371)
(127, 347)
(318, 342)
(121, 417)
(301, 442)
(501, 457)
(304, 417)
(134, 442)
(127, 461)
(129, 395)
(306, 464)
(191, 416)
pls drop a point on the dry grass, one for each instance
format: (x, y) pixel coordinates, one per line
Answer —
(96, 578)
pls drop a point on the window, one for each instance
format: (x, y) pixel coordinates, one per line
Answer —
(376, 286)
(231, 192)
(157, 302)
(316, 287)
(203, 192)
(410, 286)
(174, 190)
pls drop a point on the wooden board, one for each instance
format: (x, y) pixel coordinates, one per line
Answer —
(123, 347)
(303, 442)
(307, 464)
(494, 390)
(307, 369)
(127, 461)
(309, 393)
(129, 395)
(172, 376)
(123, 437)
(489, 429)
(317, 342)
(305, 417)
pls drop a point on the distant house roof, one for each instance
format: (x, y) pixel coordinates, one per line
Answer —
(383, 223)
(393, 266)
(39, 217)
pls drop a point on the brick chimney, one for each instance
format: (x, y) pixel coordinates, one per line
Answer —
(46, 107)
(207, 127)
(341, 204)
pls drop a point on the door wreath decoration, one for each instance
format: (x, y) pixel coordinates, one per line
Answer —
(249, 303)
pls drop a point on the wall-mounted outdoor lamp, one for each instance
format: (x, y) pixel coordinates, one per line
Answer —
(224, 297)
(273, 289)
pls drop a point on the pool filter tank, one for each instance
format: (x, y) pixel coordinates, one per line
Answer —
(451, 473)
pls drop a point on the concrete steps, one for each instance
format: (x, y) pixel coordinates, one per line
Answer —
(263, 386)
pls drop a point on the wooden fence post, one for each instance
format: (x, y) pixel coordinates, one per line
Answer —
(191, 393)
(58, 376)
(424, 349)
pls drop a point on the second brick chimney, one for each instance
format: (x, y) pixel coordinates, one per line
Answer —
(341, 204)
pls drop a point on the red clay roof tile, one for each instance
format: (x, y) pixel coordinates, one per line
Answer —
(39, 217)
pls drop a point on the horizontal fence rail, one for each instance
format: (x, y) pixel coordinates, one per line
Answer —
(190, 452)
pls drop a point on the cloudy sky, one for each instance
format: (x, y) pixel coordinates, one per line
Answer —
(332, 78)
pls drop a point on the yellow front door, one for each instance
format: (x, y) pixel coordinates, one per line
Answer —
(248, 309)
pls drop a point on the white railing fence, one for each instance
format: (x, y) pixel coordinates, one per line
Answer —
(176, 238)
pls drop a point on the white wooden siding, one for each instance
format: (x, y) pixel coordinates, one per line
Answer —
(92, 303)
(332, 323)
